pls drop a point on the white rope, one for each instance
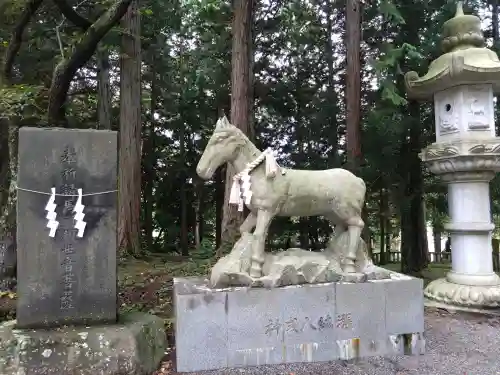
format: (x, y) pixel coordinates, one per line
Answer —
(65, 195)
(51, 206)
(241, 190)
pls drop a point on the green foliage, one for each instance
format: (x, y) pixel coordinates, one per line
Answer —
(390, 12)
(299, 107)
(21, 101)
(205, 251)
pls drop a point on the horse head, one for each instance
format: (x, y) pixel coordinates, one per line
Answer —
(222, 147)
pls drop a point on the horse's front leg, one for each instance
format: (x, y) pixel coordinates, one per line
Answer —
(264, 219)
(249, 223)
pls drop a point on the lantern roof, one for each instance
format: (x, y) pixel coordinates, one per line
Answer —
(465, 61)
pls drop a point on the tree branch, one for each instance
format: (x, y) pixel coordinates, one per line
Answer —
(82, 52)
(72, 15)
(16, 37)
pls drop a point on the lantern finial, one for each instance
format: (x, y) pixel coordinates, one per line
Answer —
(462, 31)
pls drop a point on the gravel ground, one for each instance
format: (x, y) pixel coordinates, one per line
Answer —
(456, 344)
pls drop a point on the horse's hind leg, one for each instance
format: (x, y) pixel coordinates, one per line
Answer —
(339, 228)
(354, 227)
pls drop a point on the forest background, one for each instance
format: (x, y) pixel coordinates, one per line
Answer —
(318, 81)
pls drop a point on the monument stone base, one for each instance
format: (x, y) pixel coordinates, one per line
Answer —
(242, 326)
(135, 346)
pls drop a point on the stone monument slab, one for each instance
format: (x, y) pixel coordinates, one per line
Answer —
(241, 326)
(69, 278)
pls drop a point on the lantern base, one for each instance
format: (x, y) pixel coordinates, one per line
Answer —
(474, 296)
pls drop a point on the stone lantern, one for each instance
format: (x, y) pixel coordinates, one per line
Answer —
(466, 155)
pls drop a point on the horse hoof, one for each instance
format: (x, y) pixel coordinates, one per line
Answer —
(255, 273)
(349, 268)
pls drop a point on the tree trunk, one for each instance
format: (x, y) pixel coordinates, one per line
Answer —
(149, 160)
(129, 171)
(11, 219)
(333, 155)
(388, 236)
(103, 90)
(199, 210)
(313, 233)
(382, 222)
(353, 99)
(219, 204)
(436, 236)
(414, 246)
(304, 233)
(447, 244)
(5, 173)
(241, 100)
(496, 46)
(183, 198)
(197, 238)
(353, 83)
(494, 24)
(8, 222)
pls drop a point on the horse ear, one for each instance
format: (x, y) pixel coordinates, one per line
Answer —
(226, 122)
(221, 124)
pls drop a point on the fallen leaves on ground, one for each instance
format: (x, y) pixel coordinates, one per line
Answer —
(8, 301)
(146, 285)
(8, 294)
(165, 368)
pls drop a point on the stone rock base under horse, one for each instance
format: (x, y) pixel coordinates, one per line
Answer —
(293, 266)
(134, 346)
(243, 326)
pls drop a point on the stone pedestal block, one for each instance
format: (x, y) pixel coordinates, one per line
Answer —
(134, 346)
(235, 327)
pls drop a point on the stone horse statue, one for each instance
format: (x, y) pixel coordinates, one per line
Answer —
(269, 191)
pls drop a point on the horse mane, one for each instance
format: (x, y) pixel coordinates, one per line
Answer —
(235, 132)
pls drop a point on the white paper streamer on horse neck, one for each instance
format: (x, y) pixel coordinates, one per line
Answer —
(52, 224)
(241, 190)
(78, 209)
(246, 190)
(234, 197)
